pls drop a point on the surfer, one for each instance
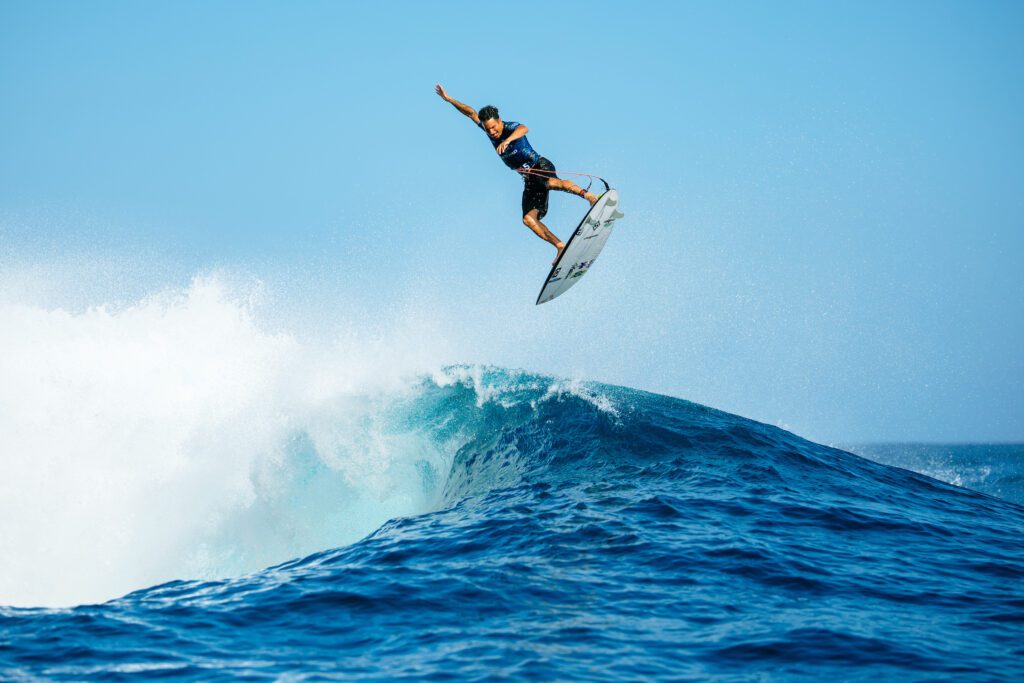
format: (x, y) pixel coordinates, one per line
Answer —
(539, 175)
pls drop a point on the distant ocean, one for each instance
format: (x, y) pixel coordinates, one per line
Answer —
(539, 530)
(995, 469)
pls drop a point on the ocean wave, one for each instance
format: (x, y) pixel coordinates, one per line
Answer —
(471, 522)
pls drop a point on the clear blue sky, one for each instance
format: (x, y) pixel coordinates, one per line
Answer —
(823, 200)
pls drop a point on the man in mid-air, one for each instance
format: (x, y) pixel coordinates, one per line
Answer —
(509, 141)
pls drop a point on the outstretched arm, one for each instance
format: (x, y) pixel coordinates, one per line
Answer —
(462, 107)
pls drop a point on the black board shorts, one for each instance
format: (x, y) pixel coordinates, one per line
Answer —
(535, 191)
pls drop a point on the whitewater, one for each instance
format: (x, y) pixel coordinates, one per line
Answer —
(188, 493)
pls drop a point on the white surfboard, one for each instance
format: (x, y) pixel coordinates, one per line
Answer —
(583, 247)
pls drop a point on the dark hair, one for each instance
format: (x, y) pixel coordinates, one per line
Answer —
(487, 113)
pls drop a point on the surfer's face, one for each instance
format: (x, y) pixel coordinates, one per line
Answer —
(493, 127)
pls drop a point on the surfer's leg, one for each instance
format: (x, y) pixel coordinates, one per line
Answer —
(571, 187)
(535, 205)
(532, 220)
(548, 174)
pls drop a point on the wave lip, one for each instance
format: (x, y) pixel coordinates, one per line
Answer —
(594, 532)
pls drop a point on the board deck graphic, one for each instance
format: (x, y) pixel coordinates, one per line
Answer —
(583, 247)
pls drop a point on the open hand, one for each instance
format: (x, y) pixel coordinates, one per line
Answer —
(441, 92)
(500, 149)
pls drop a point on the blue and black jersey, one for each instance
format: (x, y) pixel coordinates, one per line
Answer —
(519, 153)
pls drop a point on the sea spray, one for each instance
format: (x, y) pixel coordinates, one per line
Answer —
(173, 437)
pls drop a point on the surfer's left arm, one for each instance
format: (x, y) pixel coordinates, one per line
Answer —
(519, 132)
(463, 108)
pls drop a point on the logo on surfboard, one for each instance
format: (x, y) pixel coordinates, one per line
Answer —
(582, 252)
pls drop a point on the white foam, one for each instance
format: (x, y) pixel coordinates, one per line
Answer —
(173, 438)
(505, 391)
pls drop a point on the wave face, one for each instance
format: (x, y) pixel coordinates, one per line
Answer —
(585, 532)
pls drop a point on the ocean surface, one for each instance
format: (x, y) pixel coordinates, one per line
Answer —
(529, 528)
(995, 469)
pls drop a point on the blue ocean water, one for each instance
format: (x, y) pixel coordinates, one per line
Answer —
(589, 532)
(995, 469)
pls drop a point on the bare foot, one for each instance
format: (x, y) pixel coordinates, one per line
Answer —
(561, 247)
(591, 197)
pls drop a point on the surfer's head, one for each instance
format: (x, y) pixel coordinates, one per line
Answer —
(490, 121)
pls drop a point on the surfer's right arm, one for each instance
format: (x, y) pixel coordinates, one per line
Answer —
(462, 107)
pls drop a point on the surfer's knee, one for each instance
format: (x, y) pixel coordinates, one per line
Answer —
(529, 221)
